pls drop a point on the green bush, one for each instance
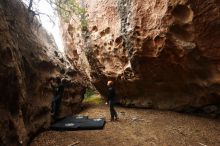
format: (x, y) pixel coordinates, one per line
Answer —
(68, 8)
(90, 92)
(92, 96)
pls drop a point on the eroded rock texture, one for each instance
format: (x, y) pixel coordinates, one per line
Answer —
(160, 53)
(29, 60)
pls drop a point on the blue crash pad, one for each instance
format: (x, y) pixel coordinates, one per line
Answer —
(78, 123)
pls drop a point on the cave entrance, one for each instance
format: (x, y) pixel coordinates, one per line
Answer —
(92, 97)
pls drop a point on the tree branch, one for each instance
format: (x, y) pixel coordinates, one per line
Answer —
(30, 5)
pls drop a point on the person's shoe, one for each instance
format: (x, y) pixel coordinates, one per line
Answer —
(116, 119)
(112, 119)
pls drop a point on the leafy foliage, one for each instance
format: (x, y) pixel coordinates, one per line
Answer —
(68, 8)
(92, 97)
(90, 92)
(65, 8)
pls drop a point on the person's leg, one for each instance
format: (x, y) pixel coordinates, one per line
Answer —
(115, 113)
(111, 110)
(56, 108)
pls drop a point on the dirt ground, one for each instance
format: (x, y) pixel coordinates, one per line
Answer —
(138, 127)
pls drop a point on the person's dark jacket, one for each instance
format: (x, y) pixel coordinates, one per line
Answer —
(111, 94)
(58, 91)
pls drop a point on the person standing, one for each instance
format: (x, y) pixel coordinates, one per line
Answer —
(58, 93)
(111, 100)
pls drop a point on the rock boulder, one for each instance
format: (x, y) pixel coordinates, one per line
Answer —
(160, 54)
(29, 62)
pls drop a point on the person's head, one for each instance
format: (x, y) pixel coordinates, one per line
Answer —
(58, 80)
(109, 83)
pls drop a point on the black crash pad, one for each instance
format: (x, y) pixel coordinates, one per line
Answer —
(78, 123)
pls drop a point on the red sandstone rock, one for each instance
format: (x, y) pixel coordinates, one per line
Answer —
(161, 54)
(28, 60)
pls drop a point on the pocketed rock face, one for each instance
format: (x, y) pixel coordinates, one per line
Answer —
(161, 54)
(29, 60)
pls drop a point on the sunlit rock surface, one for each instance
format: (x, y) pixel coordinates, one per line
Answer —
(161, 54)
(29, 62)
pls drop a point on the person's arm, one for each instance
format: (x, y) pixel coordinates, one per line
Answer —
(107, 99)
(109, 94)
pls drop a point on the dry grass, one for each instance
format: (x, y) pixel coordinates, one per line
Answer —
(94, 99)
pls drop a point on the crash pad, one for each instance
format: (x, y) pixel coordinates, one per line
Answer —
(78, 123)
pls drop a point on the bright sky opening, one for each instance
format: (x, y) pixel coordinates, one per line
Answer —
(44, 7)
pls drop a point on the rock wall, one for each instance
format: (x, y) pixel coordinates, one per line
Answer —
(161, 53)
(29, 62)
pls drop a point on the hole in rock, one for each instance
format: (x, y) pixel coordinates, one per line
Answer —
(183, 13)
(61, 60)
(75, 54)
(96, 46)
(115, 49)
(137, 27)
(137, 33)
(94, 28)
(157, 38)
(70, 28)
(124, 59)
(180, 33)
(102, 33)
(138, 40)
(118, 40)
(56, 53)
(159, 41)
(107, 30)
